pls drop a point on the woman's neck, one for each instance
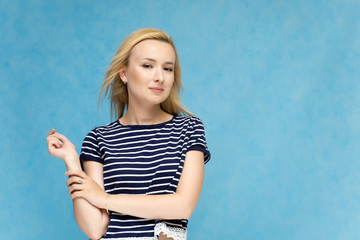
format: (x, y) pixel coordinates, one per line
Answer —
(144, 116)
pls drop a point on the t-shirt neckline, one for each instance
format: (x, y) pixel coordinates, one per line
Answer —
(148, 125)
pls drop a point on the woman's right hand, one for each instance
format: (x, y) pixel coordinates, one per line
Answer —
(60, 147)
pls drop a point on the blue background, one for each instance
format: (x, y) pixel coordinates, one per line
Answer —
(277, 84)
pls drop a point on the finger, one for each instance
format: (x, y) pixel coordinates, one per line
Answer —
(77, 194)
(53, 138)
(51, 131)
(54, 142)
(56, 134)
(75, 187)
(70, 181)
(74, 180)
(60, 136)
(52, 150)
(54, 146)
(77, 173)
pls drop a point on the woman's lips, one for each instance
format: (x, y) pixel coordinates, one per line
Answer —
(156, 89)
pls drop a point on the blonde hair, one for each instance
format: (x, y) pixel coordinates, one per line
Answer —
(118, 90)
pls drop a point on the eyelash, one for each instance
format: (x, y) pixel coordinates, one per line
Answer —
(169, 69)
(147, 66)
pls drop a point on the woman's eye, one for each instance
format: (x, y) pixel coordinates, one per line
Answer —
(168, 69)
(146, 65)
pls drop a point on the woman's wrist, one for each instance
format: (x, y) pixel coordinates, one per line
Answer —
(72, 162)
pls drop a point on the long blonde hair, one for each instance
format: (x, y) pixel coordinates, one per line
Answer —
(118, 90)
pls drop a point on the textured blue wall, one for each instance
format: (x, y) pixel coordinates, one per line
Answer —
(277, 84)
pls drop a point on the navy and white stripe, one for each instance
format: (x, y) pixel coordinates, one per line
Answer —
(143, 159)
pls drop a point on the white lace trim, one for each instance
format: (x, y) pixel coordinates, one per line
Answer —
(171, 232)
(129, 238)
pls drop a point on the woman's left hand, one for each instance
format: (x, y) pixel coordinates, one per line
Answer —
(82, 186)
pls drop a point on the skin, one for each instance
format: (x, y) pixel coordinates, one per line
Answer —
(149, 76)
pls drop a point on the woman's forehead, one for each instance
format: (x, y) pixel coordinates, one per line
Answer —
(153, 49)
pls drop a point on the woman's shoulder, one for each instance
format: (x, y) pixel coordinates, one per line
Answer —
(103, 129)
(188, 120)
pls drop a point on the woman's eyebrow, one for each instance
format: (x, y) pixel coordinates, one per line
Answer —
(153, 60)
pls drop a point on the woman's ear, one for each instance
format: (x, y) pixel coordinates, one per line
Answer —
(122, 74)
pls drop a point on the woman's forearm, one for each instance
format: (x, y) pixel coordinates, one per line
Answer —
(90, 219)
(168, 206)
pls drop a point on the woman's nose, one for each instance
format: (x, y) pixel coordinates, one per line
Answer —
(158, 75)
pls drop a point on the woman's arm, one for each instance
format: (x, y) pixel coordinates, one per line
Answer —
(91, 220)
(179, 205)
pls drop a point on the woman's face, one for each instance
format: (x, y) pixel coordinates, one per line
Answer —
(150, 72)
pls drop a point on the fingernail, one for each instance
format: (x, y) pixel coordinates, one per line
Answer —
(61, 137)
(60, 142)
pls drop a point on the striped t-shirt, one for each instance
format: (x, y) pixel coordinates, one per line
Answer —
(143, 159)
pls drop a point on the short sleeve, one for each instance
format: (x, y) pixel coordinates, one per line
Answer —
(196, 138)
(90, 149)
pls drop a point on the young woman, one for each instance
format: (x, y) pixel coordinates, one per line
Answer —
(143, 173)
